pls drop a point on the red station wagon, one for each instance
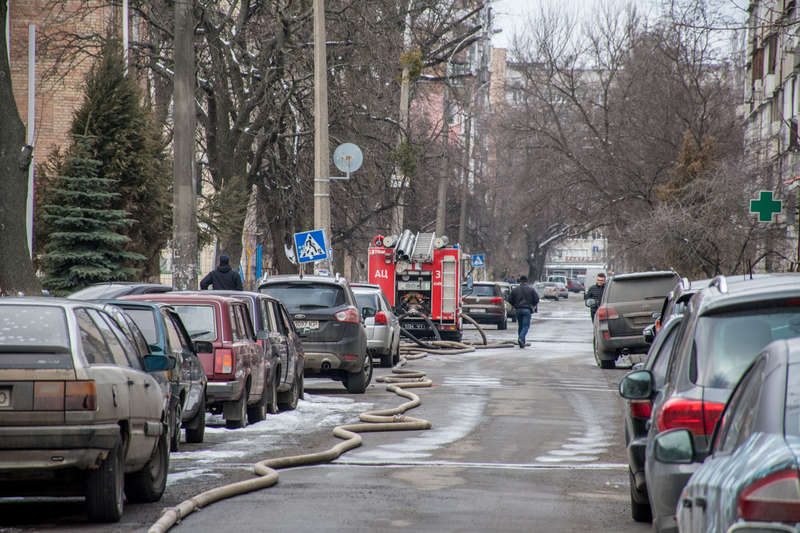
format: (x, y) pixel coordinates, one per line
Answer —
(234, 362)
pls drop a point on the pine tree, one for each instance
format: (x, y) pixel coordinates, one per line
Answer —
(85, 244)
(130, 149)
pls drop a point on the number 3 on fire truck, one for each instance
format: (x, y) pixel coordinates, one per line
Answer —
(437, 274)
(381, 274)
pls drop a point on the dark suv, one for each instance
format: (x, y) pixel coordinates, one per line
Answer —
(325, 315)
(484, 303)
(726, 326)
(628, 306)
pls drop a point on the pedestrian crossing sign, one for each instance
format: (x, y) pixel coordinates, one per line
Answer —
(311, 246)
(478, 260)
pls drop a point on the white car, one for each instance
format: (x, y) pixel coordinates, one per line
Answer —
(383, 326)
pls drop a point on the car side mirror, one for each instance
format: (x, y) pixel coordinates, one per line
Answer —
(656, 315)
(158, 363)
(637, 385)
(203, 347)
(590, 302)
(367, 312)
(649, 333)
(675, 446)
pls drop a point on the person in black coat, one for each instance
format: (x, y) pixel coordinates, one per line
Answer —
(524, 299)
(222, 278)
(596, 292)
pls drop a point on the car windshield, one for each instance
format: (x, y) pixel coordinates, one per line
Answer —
(146, 321)
(628, 290)
(94, 292)
(200, 321)
(297, 296)
(479, 290)
(367, 300)
(726, 344)
(792, 412)
(34, 337)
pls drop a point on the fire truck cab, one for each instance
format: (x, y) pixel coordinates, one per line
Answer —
(420, 275)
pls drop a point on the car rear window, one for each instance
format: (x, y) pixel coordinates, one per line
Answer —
(629, 290)
(726, 344)
(367, 300)
(200, 321)
(146, 320)
(296, 296)
(480, 290)
(99, 291)
(792, 413)
(33, 325)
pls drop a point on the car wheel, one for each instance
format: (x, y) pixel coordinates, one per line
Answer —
(175, 437)
(147, 485)
(301, 393)
(357, 382)
(640, 512)
(272, 405)
(386, 358)
(396, 353)
(605, 364)
(503, 324)
(258, 412)
(104, 488)
(196, 427)
(289, 398)
(241, 413)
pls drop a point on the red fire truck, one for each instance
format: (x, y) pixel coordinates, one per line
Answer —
(420, 275)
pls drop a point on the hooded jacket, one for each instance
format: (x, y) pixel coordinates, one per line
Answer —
(222, 278)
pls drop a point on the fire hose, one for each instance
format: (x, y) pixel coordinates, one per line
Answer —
(379, 420)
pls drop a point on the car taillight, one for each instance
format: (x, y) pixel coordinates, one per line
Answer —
(80, 396)
(48, 396)
(496, 300)
(380, 318)
(641, 408)
(774, 498)
(605, 312)
(695, 415)
(347, 315)
(223, 361)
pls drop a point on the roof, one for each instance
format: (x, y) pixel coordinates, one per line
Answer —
(180, 297)
(738, 291)
(365, 286)
(296, 278)
(649, 274)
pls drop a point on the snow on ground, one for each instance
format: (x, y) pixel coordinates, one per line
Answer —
(225, 445)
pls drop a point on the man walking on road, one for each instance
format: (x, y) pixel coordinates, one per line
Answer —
(596, 292)
(222, 278)
(524, 299)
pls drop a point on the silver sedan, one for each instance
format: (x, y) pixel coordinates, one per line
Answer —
(383, 326)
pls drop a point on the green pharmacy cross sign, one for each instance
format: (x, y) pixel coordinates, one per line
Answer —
(765, 206)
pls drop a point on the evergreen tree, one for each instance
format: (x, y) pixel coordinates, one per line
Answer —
(85, 244)
(130, 149)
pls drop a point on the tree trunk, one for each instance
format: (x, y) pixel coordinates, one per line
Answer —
(16, 267)
(281, 235)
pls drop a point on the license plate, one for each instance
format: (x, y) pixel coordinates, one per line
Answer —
(306, 324)
(5, 397)
(416, 325)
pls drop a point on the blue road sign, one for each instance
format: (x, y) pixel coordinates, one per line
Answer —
(310, 246)
(478, 260)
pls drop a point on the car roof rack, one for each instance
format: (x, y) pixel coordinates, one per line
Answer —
(720, 283)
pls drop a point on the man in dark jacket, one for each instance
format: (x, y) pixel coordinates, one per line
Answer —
(596, 292)
(524, 299)
(222, 278)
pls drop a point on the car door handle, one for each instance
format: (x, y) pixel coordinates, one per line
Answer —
(687, 503)
(700, 502)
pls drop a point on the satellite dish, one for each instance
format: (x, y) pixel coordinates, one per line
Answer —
(348, 157)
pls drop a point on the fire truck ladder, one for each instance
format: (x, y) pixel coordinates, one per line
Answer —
(423, 248)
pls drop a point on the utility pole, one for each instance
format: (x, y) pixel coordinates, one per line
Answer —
(399, 209)
(184, 227)
(322, 197)
(441, 212)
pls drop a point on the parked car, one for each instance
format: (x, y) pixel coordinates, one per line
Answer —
(115, 289)
(326, 317)
(284, 349)
(575, 285)
(80, 415)
(558, 278)
(165, 334)
(546, 289)
(506, 288)
(726, 326)
(637, 416)
(484, 303)
(563, 292)
(751, 480)
(234, 362)
(383, 326)
(627, 307)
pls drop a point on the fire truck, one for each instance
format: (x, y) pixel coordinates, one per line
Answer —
(420, 274)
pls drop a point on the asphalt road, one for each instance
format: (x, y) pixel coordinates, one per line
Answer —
(522, 440)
